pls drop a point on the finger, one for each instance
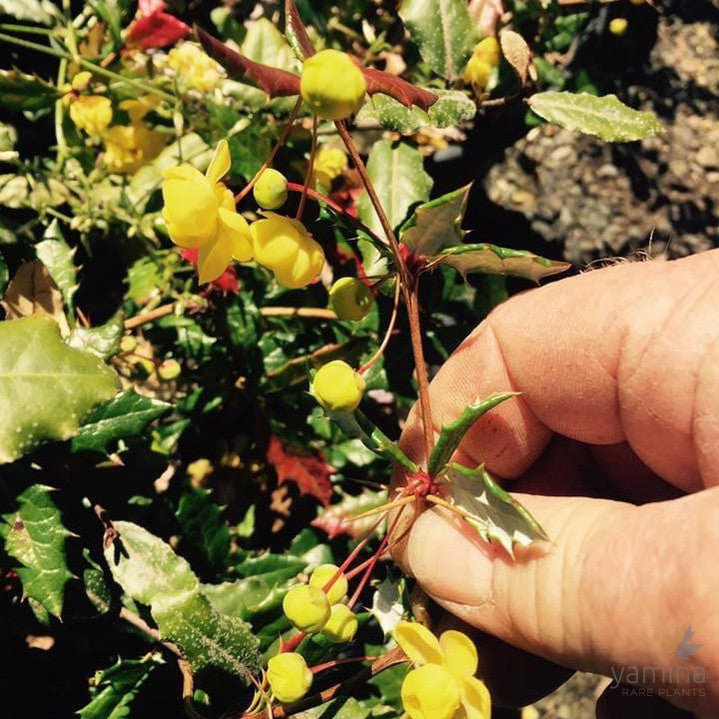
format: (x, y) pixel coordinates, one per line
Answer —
(629, 353)
(618, 586)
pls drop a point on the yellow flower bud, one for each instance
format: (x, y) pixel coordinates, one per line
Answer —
(169, 369)
(351, 299)
(289, 676)
(323, 575)
(485, 58)
(270, 190)
(284, 246)
(307, 608)
(618, 26)
(342, 624)
(330, 163)
(81, 81)
(430, 692)
(128, 343)
(91, 113)
(332, 85)
(337, 387)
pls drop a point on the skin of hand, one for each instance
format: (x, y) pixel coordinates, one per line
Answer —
(613, 445)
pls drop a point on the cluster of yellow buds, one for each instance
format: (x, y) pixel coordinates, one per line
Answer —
(91, 114)
(484, 61)
(337, 387)
(195, 69)
(442, 685)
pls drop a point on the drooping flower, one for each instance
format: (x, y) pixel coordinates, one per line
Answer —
(342, 625)
(91, 114)
(200, 213)
(195, 69)
(307, 608)
(442, 685)
(289, 676)
(485, 59)
(337, 387)
(129, 147)
(284, 246)
(351, 299)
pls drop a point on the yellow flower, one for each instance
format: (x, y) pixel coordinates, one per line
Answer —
(330, 163)
(91, 113)
(270, 190)
(342, 624)
(195, 69)
(284, 246)
(337, 387)
(618, 25)
(485, 59)
(323, 575)
(443, 685)
(289, 676)
(129, 147)
(200, 213)
(307, 608)
(81, 81)
(351, 299)
(332, 85)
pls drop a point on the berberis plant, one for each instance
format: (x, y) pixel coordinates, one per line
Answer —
(119, 417)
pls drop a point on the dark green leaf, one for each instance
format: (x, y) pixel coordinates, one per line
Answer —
(20, 92)
(203, 524)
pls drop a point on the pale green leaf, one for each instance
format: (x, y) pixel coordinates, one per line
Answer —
(400, 181)
(452, 434)
(605, 116)
(125, 415)
(37, 11)
(264, 43)
(387, 607)
(494, 260)
(47, 387)
(494, 513)
(437, 224)
(35, 535)
(103, 340)
(443, 31)
(54, 252)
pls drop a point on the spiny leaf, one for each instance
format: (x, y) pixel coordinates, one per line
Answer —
(54, 252)
(20, 92)
(336, 520)
(494, 513)
(452, 434)
(308, 471)
(47, 387)
(203, 524)
(400, 181)
(35, 535)
(494, 260)
(443, 32)
(114, 689)
(296, 32)
(437, 224)
(275, 82)
(604, 116)
(407, 94)
(103, 340)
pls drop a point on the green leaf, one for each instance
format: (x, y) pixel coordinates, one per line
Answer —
(443, 32)
(145, 566)
(452, 434)
(251, 595)
(20, 92)
(203, 524)
(47, 387)
(494, 260)
(57, 256)
(35, 535)
(114, 689)
(400, 181)
(125, 415)
(96, 587)
(39, 11)
(103, 340)
(452, 108)
(264, 43)
(208, 638)
(437, 224)
(494, 513)
(604, 116)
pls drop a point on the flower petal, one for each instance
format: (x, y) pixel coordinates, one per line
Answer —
(190, 209)
(476, 701)
(235, 231)
(220, 163)
(418, 643)
(213, 259)
(184, 172)
(430, 692)
(460, 654)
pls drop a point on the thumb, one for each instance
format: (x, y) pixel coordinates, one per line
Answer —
(617, 589)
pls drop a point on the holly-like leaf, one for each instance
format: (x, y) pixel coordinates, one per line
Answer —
(32, 291)
(20, 92)
(296, 32)
(47, 387)
(35, 535)
(54, 252)
(452, 434)
(443, 32)
(125, 415)
(114, 689)
(387, 607)
(249, 596)
(203, 524)
(437, 224)
(274, 81)
(605, 116)
(494, 513)
(494, 260)
(336, 520)
(379, 81)
(400, 181)
(310, 472)
(103, 340)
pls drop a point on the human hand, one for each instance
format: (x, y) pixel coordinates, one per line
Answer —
(618, 371)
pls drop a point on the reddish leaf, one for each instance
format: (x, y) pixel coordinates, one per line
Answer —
(275, 82)
(296, 30)
(337, 519)
(308, 471)
(402, 91)
(156, 30)
(226, 283)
